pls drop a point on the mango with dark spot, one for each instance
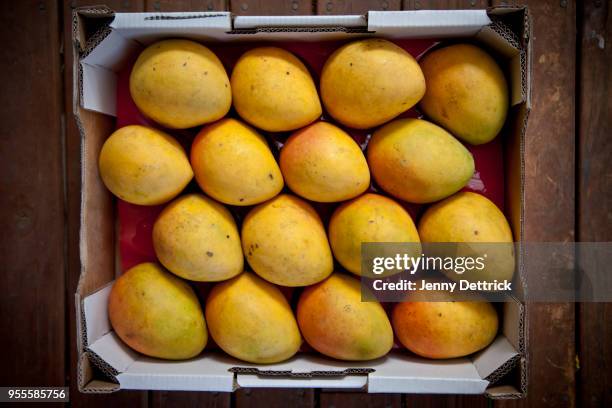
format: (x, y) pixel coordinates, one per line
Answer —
(157, 313)
(335, 322)
(285, 243)
(234, 164)
(180, 84)
(197, 238)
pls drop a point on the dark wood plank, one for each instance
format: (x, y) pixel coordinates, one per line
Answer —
(339, 7)
(73, 191)
(359, 399)
(550, 196)
(32, 212)
(186, 5)
(274, 398)
(445, 401)
(271, 7)
(447, 4)
(595, 194)
(190, 399)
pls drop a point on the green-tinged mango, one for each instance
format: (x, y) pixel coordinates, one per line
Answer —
(157, 313)
(417, 161)
(336, 323)
(250, 319)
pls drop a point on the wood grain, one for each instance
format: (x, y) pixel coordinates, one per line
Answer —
(274, 398)
(32, 213)
(447, 4)
(190, 399)
(359, 399)
(446, 401)
(595, 193)
(185, 5)
(271, 7)
(339, 7)
(550, 196)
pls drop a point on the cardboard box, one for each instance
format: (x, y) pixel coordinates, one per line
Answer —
(104, 40)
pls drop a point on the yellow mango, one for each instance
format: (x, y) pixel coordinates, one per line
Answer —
(417, 161)
(273, 90)
(369, 218)
(446, 328)
(196, 238)
(466, 92)
(157, 314)
(251, 320)
(480, 228)
(323, 163)
(233, 164)
(336, 323)
(180, 84)
(143, 165)
(285, 243)
(368, 82)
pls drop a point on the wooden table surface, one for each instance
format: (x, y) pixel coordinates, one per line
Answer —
(568, 190)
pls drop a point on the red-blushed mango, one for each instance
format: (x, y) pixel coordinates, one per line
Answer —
(417, 161)
(336, 323)
(285, 243)
(446, 328)
(157, 314)
(478, 228)
(233, 164)
(368, 82)
(273, 90)
(144, 166)
(369, 218)
(466, 92)
(250, 319)
(322, 163)
(180, 84)
(196, 238)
